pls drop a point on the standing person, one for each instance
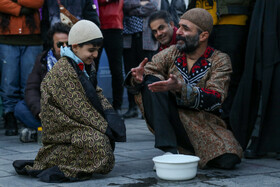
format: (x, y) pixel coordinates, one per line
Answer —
(163, 29)
(181, 91)
(20, 43)
(27, 110)
(111, 19)
(138, 42)
(79, 124)
(175, 7)
(229, 35)
(256, 104)
(84, 9)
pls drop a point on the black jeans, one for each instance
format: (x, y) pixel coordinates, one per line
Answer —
(162, 115)
(132, 58)
(231, 39)
(113, 44)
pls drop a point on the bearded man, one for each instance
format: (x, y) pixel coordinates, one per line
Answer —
(180, 93)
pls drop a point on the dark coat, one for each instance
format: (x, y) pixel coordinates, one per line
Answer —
(82, 9)
(175, 8)
(261, 78)
(32, 89)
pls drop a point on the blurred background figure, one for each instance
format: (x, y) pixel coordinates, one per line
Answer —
(111, 19)
(255, 112)
(138, 42)
(20, 43)
(163, 29)
(84, 9)
(27, 110)
(175, 7)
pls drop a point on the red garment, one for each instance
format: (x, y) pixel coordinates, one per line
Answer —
(17, 24)
(111, 14)
(173, 41)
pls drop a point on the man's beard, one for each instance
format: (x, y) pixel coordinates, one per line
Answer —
(191, 43)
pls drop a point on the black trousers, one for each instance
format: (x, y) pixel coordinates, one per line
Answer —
(162, 115)
(113, 44)
(133, 57)
(231, 39)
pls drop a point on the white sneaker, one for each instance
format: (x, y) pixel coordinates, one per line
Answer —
(28, 135)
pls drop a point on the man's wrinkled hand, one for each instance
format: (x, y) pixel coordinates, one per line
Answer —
(138, 72)
(171, 84)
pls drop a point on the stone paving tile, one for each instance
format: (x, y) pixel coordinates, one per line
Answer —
(142, 154)
(248, 181)
(4, 161)
(115, 181)
(138, 138)
(4, 152)
(119, 158)
(20, 156)
(7, 168)
(5, 174)
(25, 147)
(241, 169)
(268, 162)
(8, 142)
(22, 181)
(136, 146)
(119, 149)
(277, 174)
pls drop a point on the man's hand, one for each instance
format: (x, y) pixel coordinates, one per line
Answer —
(143, 3)
(171, 84)
(138, 72)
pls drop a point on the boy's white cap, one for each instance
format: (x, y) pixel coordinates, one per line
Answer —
(83, 31)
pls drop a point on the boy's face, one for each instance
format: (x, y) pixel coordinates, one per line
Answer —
(87, 53)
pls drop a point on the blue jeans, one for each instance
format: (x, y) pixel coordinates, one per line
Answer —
(16, 64)
(23, 114)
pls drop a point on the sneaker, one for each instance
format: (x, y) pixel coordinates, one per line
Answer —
(131, 112)
(28, 135)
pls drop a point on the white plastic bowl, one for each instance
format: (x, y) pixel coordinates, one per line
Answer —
(176, 166)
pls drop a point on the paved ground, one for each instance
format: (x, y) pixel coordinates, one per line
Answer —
(134, 165)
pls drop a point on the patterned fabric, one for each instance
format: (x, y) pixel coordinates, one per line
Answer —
(132, 24)
(51, 60)
(208, 100)
(206, 131)
(74, 137)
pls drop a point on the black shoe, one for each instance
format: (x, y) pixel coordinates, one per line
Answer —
(119, 112)
(131, 113)
(277, 156)
(10, 124)
(225, 161)
(251, 151)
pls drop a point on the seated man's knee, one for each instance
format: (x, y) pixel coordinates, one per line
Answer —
(149, 79)
(19, 108)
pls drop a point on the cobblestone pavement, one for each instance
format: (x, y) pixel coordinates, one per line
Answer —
(134, 166)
